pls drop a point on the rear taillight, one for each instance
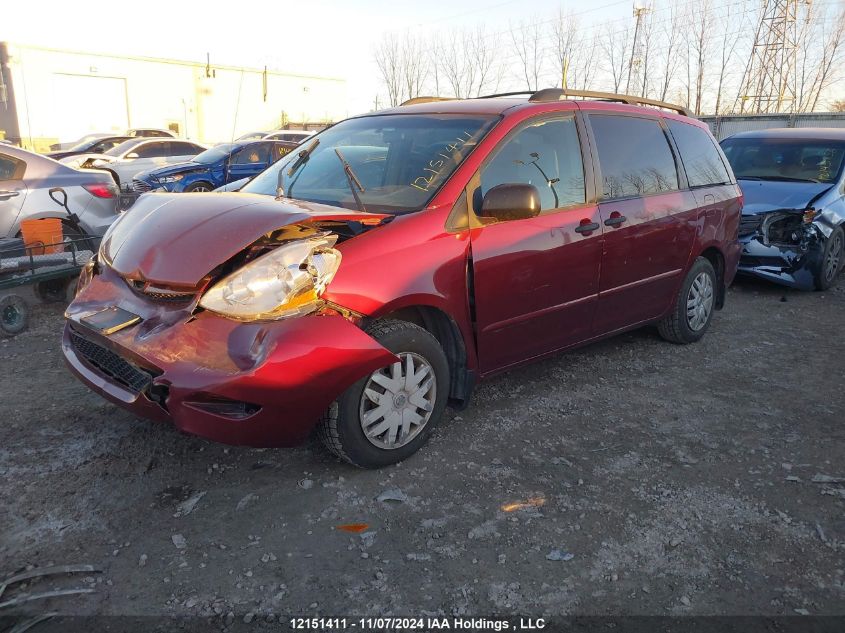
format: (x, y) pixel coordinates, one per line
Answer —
(101, 190)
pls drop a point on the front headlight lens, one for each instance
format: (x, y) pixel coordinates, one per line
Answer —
(285, 282)
(167, 179)
(86, 274)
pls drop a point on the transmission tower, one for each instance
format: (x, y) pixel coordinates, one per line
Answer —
(768, 84)
(636, 59)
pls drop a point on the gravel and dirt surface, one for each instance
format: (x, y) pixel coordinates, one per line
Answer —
(629, 477)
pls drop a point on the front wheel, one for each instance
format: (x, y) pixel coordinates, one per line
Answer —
(388, 415)
(198, 187)
(693, 310)
(832, 259)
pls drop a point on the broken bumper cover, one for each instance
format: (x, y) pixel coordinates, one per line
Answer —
(255, 384)
(790, 265)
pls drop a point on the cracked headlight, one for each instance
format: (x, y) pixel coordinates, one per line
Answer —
(285, 282)
(167, 179)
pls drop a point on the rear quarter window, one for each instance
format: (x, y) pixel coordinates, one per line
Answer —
(11, 168)
(634, 155)
(699, 155)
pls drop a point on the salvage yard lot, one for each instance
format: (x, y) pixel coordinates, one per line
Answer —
(680, 479)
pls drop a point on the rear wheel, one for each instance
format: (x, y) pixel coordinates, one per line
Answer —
(693, 308)
(198, 187)
(14, 315)
(832, 259)
(388, 415)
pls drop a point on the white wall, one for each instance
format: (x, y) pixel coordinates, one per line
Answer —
(63, 95)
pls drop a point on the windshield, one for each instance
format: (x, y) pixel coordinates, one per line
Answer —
(799, 160)
(125, 146)
(400, 160)
(218, 152)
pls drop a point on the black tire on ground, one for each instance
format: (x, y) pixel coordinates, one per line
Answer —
(340, 428)
(199, 186)
(74, 234)
(676, 327)
(14, 315)
(832, 259)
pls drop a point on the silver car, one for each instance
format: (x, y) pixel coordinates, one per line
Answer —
(25, 180)
(136, 155)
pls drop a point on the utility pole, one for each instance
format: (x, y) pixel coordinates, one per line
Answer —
(768, 84)
(640, 10)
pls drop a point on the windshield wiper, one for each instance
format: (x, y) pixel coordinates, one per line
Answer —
(301, 159)
(778, 178)
(352, 179)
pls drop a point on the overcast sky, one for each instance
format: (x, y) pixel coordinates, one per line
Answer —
(318, 37)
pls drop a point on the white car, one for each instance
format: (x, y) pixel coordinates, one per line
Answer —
(293, 136)
(136, 155)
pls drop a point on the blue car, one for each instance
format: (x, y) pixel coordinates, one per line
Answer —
(214, 168)
(793, 181)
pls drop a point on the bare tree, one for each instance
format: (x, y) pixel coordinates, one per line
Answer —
(566, 43)
(615, 46)
(671, 57)
(413, 65)
(731, 26)
(527, 40)
(838, 106)
(699, 45)
(388, 56)
(831, 58)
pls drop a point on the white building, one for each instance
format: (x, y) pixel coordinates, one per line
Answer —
(49, 95)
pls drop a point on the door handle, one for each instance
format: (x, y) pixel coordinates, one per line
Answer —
(586, 227)
(5, 195)
(615, 219)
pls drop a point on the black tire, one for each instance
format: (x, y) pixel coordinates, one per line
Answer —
(677, 326)
(14, 315)
(199, 186)
(340, 428)
(832, 259)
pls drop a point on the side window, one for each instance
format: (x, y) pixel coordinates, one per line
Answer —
(702, 162)
(11, 168)
(153, 150)
(279, 150)
(635, 156)
(250, 155)
(184, 149)
(545, 154)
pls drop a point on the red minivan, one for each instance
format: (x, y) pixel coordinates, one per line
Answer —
(367, 281)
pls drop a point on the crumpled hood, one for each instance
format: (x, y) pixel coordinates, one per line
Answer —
(178, 168)
(177, 239)
(762, 196)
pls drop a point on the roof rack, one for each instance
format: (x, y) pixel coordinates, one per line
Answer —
(558, 94)
(416, 100)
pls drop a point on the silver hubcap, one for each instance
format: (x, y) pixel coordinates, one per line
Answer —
(398, 401)
(200, 189)
(834, 253)
(699, 301)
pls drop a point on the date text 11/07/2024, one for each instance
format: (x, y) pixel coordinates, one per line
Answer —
(417, 624)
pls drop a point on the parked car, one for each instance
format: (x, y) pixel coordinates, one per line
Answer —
(136, 155)
(413, 252)
(213, 168)
(792, 224)
(25, 181)
(252, 136)
(149, 132)
(292, 136)
(56, 147)
(97, 145)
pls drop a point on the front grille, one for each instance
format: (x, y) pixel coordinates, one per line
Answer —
(749, 224)
(139, 186)
(161, 294)
(112, 365)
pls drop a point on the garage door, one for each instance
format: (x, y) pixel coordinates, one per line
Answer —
(87, 104)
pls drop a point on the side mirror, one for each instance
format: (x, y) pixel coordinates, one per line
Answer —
(131, 156)
(511, 201)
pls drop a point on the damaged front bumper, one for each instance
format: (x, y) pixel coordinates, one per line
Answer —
(259, 384)
(781, 247)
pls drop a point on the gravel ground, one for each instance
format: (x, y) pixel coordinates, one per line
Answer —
(642, 478)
